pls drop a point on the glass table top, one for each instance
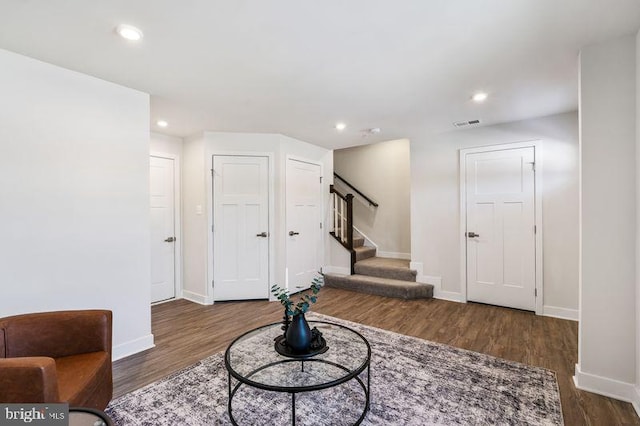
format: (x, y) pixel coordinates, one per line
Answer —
(252, 359)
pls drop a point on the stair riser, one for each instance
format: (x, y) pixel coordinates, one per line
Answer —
(423, 291)
(358, 242)
(393, 273)
(365, 253)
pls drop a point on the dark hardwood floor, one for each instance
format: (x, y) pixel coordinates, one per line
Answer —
(186, 332)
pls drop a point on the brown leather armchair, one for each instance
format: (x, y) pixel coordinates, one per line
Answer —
(57, 357)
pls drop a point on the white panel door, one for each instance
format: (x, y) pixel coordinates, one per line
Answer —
(500, 194)
(240, 227)
(304, 218)
(161, 191)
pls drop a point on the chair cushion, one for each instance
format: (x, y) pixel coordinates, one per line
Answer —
(85, 380)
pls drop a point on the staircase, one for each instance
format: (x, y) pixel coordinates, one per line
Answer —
(379, 275)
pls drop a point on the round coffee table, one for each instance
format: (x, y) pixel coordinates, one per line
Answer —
(252, 360)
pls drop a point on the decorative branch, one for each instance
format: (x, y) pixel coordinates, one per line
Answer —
(305, 302)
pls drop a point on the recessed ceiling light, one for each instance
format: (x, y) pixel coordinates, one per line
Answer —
(340, 126)
(129, 32)
(162, 123)
(479, 97)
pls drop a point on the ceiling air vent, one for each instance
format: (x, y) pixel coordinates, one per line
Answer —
(466, 123)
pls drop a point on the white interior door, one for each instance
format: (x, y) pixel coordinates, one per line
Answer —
(240, 227)
(162, 190)
(304, 223)
(500, 194)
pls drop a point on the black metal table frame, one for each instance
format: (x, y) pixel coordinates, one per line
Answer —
(353, 374)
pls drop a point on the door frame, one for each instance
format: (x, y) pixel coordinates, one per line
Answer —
(209, 203)
(537, 147)
(177, 222)
(322, 210)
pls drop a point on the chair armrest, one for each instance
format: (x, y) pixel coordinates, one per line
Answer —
(57, 334)
(28, 380)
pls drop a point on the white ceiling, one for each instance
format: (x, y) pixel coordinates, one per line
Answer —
(298, 66)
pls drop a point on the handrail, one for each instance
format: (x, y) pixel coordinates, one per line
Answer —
(371, 202)
(333, 190)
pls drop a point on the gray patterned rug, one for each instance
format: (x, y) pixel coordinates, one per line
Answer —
(413, 382)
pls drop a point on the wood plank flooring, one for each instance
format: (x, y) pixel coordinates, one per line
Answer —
(186, 332)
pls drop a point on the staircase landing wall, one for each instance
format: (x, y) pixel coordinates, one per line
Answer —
(381, 171)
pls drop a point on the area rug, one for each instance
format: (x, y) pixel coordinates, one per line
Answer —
(413, 382)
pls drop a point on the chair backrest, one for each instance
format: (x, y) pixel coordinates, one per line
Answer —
(56, 334)
(3, 352)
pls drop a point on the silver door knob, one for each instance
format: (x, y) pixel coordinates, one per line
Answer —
(262, 234)
(292, 233)
(170, 240)
(472, 234)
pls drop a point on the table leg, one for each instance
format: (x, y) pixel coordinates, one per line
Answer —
(293, 409)
(303, 366)
(229, 400)
(368, 386)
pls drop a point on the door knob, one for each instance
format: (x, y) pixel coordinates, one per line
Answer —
(262, 234)
(292, 233)
(170, 240)
(472, 234)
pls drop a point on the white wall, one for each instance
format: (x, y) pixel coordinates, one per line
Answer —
(194, 221)
(637, 334)
(380, 171)
(198, 152)
(74, 185)
(340, 258)
(607, 334)
(435, 204)
(164, 144)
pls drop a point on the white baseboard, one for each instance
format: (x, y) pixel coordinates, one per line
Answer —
(416, 266)
(196, 298)
(451, 296)
(436, 282)
(611, 388)
(562, 313)
(173, 299)
(394, 255)
(340, 270)
(126, 349)
(636, 400)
